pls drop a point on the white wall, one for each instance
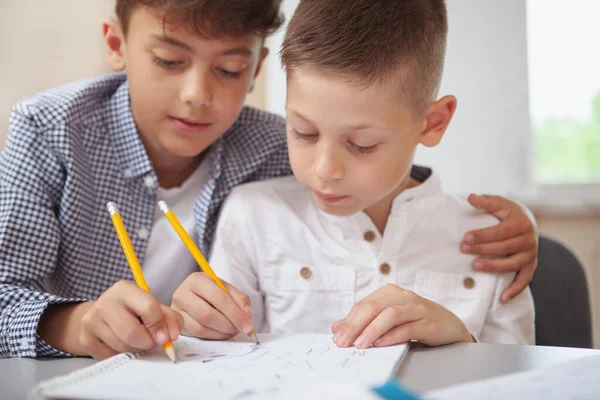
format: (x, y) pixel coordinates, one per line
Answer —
(275, 77)
(488, 146)
(46, 43)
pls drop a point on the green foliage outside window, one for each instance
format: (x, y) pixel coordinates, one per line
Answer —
(568, 150)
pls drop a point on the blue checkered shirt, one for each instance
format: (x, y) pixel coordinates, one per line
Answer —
(71, 150)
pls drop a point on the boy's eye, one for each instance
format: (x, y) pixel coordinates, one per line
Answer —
(303, 136)
(166, 63)
(229, 74)
(363, 149)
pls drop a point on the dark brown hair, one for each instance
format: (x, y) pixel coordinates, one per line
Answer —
(211, 18)
(400, 41)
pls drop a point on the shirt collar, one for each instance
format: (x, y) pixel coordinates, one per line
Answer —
(217, 157)
(430, 186)
(129, 149)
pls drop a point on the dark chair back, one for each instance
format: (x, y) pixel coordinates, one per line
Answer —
(560, 293)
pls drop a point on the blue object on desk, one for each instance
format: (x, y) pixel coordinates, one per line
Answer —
(393, 391)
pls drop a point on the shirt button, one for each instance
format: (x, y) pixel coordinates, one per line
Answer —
(128, 173)
(369, 236)
(149, 181)
(385, 268)
(143, 233)
(305, 272)
(469, 282)
(24, 343)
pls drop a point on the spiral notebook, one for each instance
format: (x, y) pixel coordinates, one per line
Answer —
(232, 369)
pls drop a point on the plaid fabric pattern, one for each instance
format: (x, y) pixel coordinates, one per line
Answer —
(71, 150)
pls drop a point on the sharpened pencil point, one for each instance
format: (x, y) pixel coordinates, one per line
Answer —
(253, 336)
(171, 353)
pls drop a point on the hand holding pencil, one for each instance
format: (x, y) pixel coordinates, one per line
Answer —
(211, 308)
(123, 319)
(156, 319)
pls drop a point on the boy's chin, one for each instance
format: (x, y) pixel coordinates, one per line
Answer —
(186, 153)
(337, 210)
(186, 148)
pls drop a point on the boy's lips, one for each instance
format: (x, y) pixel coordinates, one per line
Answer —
(329, 198)
(189, 125)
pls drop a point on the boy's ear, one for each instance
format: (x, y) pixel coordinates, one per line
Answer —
(115, 44)
(437, 118)
(261, 58)
(263, 54)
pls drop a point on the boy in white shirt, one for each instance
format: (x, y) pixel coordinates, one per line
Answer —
(361, 242)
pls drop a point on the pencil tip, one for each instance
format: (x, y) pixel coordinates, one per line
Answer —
(171, 353)
(253, 336)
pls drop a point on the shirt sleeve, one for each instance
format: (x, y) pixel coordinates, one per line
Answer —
(30, 183)
(234, 254)
(510, 323)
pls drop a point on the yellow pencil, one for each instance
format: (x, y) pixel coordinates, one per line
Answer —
(133, 262)
(196, 253)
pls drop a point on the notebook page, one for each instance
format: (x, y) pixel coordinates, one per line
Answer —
(233, 369)
(576, 379)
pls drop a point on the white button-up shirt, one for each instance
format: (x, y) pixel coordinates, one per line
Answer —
(304, 269)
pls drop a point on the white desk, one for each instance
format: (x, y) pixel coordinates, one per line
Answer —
(423, 368)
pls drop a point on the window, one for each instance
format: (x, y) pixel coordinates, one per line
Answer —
(564, 89)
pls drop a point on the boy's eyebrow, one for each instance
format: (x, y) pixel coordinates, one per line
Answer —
(297, 114)
(237, 51)
(359, 127)
(173, 42)
(356, 127)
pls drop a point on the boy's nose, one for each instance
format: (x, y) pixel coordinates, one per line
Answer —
(197, 90)
(328, 165)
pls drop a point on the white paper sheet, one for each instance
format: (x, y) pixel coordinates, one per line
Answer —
(578, 379)
(234, 369)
